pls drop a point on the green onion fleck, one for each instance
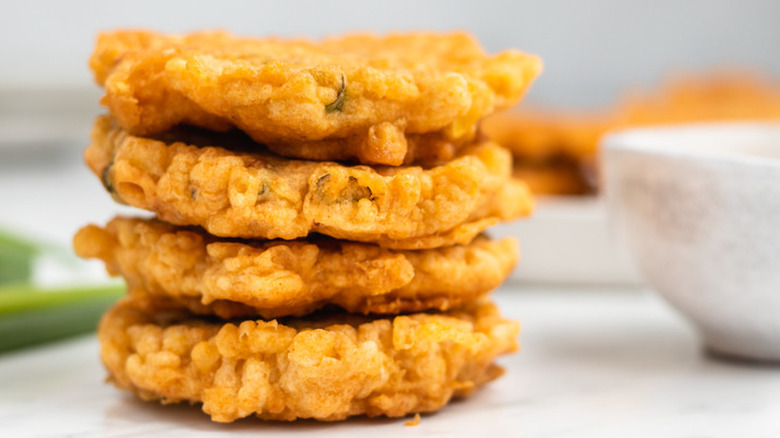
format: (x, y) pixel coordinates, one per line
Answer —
(341, 96)
(30, 315)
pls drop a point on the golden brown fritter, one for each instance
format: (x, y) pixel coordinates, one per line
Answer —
(287, 92)
(187, 180)
(167, 266)
(324, 367)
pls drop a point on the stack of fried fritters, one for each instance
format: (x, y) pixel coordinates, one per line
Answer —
(317, 249)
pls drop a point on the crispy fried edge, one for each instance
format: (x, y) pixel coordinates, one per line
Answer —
(301, 369)
(383, 144)
(168, 267)
(403, 208)
(154, 82)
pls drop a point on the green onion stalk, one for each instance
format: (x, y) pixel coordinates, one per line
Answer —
(31, 314)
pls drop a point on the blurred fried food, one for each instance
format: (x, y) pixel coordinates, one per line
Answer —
(557, 176)
(719, 96)
(556, 152)
(553, 151)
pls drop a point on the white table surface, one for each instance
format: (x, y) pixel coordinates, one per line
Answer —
(594, 363)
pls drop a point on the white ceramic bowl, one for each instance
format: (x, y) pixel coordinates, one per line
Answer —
(699, 207)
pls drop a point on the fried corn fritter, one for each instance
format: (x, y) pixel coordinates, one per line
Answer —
(327, 368)
(186, 181)
(167, 266)
(293, 95)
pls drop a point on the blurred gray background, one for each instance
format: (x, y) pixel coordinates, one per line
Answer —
(592, 49)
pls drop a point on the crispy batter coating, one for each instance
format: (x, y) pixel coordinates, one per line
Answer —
(384, 144)
(167, 267)
(230, 193)
(373, 89)
(323, 367)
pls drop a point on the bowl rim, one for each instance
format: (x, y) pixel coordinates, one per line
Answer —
(641, 140)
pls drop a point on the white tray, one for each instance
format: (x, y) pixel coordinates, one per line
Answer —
(568, 240)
